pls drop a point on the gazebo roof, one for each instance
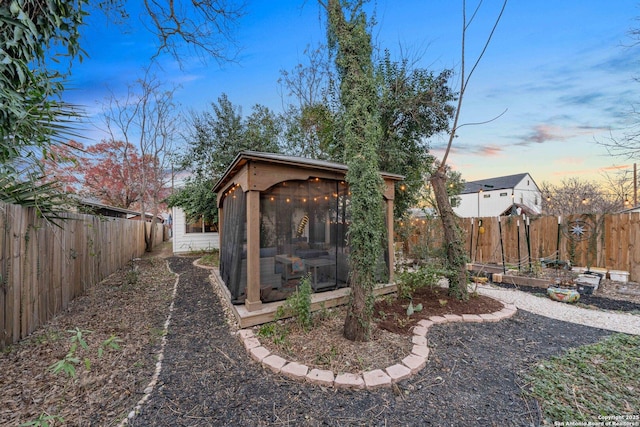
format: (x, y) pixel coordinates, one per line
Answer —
(246, 156)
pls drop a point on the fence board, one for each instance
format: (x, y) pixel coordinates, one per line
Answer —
(613, 244)
(43, 267)
(4, 227)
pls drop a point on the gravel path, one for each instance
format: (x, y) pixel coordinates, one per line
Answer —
(618, 322)
(473, 377)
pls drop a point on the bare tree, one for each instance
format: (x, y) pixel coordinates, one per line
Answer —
(204, 26)
(453, 240)
(184, 27)
(147, 117)
(307, 99)
(627, 146)
(619, 187)
(574, 196)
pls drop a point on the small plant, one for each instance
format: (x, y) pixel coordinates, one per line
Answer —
(275, 332)
(211, 259)
(298, 305)
(323, 314)
(71, 359)
(443, 302)
(327, 357)
(44, 420)
(411, 309)
(132, 276)
(112, 343)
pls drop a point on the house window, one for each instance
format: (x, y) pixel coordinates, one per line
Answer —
(486, 196)
(503, 194)
(200, 226)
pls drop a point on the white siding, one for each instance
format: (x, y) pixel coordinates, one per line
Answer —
(493, 202)
(187, 242)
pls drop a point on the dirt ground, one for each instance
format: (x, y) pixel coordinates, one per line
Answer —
(130, 305)
(473, 376)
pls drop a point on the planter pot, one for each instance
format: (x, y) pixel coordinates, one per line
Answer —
(619, 275)
(598, 270)
(589, 278)
(585, 289)
(563, 294)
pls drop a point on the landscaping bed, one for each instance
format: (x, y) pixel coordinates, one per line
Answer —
(121, 321)
(475, 374)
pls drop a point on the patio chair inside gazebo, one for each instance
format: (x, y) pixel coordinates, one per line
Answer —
(283, 218)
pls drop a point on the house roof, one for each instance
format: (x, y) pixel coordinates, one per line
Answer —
(245, 156)
(498, 183)
(513, 210)
(93, 203)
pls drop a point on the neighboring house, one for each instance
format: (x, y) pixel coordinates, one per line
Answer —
(192, 236)
(148, 217)
(94, 207)
(504, 195)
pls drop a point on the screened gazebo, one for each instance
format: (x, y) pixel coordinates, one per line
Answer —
(282, 218)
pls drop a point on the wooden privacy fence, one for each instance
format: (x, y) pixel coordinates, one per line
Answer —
(610, 241)
(44, 267)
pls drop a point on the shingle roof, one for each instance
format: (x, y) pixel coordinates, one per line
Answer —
(497, 183)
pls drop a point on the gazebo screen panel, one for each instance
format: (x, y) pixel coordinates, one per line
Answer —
(304, 225)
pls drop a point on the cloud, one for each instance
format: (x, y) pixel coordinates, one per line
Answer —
(543, 133)
(615, 168)
(562, 172)
(622, 61)
(490, 151)
(583, 99)
(468, 149)
(540, 134)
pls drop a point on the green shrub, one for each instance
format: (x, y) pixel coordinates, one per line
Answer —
(298, 305)
(424, 276)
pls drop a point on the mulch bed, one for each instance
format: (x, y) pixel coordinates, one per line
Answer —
(473, 377)
(434, 301)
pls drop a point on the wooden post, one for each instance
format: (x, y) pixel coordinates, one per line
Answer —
(391, 246)
(504, 267)
(253, 303)
(220, 228)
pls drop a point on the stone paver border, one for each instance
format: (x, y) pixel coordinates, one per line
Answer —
(375, 378)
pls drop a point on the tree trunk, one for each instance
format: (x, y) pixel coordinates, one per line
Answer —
(149, 235)
(454, 244)
(356, 328)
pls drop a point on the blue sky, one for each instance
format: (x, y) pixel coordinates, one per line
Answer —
(562, 70)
